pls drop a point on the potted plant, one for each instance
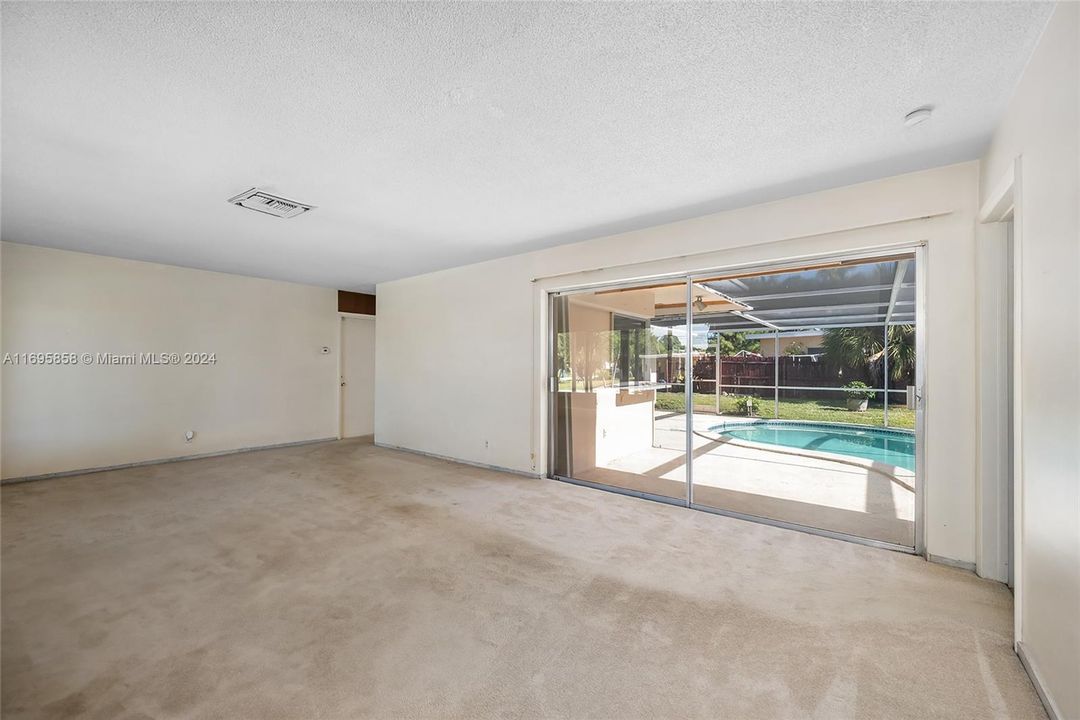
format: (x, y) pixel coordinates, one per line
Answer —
(858, 395)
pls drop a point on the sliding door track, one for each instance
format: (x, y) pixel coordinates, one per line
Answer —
(681, 502)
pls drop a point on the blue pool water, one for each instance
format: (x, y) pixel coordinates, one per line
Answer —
(895, 447)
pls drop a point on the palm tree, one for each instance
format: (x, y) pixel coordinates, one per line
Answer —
(864, 348)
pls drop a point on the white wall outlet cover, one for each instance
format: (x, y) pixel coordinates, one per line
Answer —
(189, 436)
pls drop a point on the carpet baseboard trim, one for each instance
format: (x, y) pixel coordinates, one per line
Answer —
(949, 562)
(459, 461)
(1036, 680)
(160, 461)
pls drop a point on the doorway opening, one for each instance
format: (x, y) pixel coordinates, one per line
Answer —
(357, 376)
(786, 395)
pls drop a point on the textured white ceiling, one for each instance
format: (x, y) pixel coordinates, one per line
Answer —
(432, 135)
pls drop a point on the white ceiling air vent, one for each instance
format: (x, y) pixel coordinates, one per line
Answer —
(264, 202)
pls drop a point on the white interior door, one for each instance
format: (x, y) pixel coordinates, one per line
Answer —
(357, 376)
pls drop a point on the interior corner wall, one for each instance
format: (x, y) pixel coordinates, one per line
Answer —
(992, 278)
(1041, 127)
(270, 384)
(459, 353)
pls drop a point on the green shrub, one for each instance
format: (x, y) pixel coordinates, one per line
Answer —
(746, 405)
(672, 402)
(858, 390)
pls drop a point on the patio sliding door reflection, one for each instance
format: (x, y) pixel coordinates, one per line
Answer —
(791, 421)
(619, 399)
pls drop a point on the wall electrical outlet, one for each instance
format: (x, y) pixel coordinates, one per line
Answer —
(189, 436)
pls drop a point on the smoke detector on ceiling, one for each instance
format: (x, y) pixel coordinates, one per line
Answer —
(264, 202)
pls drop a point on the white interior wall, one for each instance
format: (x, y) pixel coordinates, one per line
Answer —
(992, 468)
(475, 390)
(1041, 127)
(270, 384)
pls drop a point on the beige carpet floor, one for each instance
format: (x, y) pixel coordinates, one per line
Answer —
(346, 581)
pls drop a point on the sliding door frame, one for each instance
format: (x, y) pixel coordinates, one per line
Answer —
(553, 389)
(918, 249)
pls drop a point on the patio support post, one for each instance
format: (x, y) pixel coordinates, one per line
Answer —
(716, 364)
(898, 280)
(776, 374)
(669, 374)
(885, 367)
(688, 389)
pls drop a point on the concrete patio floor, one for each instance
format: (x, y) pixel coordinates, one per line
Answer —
(813, 489)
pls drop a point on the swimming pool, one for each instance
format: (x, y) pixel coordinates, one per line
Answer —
(895, 447)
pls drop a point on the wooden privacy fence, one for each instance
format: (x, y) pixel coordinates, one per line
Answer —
(742, 370)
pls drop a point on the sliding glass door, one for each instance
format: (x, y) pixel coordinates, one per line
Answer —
(784, 394)
(812, 420)
(620, 388)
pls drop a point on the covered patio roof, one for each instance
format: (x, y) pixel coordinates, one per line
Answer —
(841, 295)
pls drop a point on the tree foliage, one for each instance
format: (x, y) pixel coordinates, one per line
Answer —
(863, 348)
(730, 343)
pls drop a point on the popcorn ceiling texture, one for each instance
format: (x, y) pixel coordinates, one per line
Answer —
(432, 135)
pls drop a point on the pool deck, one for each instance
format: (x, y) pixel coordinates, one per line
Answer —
(832, 492)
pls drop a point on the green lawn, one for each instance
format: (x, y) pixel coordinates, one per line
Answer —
(793, 409)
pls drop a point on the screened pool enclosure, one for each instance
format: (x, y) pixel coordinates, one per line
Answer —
(782, 394)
